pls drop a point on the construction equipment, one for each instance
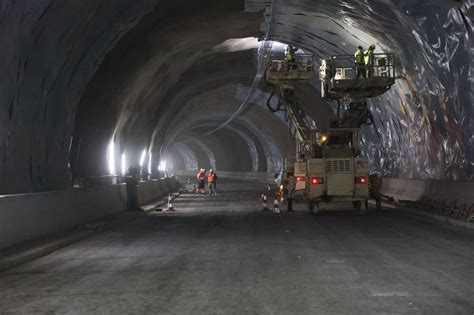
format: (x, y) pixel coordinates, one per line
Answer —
(338, 78)
(328, 166)
(340, 174)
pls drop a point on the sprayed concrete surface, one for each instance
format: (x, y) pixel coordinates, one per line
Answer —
(220, 254)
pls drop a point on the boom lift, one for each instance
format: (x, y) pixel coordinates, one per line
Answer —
(328, 166)
(284, 75)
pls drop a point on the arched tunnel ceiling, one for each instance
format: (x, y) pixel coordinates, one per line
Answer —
(148, 75)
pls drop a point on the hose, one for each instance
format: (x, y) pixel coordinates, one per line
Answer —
(270, 108)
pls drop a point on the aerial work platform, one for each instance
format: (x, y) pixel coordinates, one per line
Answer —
(281, 72)
(342, 79)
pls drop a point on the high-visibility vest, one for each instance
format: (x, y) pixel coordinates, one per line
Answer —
(290, 55)
(369, 57)
(211, 178)
(201, 175)
(359, 57)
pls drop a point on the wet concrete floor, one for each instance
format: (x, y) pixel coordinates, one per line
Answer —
(221, 255)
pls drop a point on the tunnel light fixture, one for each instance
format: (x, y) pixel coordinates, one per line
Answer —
(149, 162)
(111, 158)
(124, 164)
(142, 158)
(237, 44)
(162, 166)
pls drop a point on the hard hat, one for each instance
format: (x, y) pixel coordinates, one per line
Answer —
(210, 170)
(360, 47)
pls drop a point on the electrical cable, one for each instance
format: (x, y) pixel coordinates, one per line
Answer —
(262, 66)
(270, 108)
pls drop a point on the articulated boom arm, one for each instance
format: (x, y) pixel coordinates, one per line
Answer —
(296, 114)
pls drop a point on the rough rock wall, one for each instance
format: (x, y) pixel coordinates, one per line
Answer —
(424, 126)
(74, 74)
(49, 50)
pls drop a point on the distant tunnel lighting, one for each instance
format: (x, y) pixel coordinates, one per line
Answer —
(124, 164)
(162, 166)
(149, 162)
(111, 158)
(142, 158)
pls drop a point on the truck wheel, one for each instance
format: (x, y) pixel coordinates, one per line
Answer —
(364, 208)
(357, 205)
(313, 207)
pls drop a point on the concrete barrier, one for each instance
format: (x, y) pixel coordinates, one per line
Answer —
(414, 190)
(25, 217)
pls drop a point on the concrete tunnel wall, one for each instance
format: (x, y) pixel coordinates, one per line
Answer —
(148, 74)
(25, 217)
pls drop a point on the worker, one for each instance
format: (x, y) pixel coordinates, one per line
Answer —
(212, 182)
(290, 190)
(331, 68)
(201, 177)
(369, 58)
(131, 185)
(359, 61)
(290, 57)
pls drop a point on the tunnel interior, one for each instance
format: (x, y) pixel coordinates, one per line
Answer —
(91, 87)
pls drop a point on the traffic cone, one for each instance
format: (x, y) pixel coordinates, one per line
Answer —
(265, 203)
(170, 203)
(276, 206)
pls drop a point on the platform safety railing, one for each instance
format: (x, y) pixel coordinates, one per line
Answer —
(343, 67)
(303, 63)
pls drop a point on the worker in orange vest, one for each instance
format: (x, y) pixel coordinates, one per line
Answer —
(201, 177)
(212, 182)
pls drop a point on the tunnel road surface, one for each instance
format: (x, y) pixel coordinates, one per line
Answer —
(222, 255)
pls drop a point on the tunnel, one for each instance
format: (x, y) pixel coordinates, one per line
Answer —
(90, 90)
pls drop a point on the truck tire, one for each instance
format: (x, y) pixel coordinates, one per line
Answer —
(364, 208)
(313, 206)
